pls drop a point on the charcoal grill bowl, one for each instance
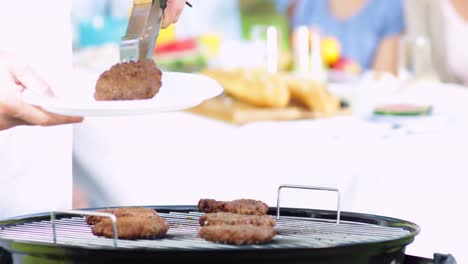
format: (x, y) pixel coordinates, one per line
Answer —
(383, 252)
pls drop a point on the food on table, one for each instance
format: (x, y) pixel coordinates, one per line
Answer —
(237, 234)
(133, 227)
(122, 212)
(236, 219)
(404, 110)
(347, 66)
(240, 206)
(331, 50)
(313, 95)
(185, 55)
(129, 81)
(254, 87)
(260, 89)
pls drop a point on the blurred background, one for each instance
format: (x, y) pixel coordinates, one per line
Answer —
(205, 35)
(190, 45)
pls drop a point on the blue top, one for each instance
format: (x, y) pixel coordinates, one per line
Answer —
(359, 35)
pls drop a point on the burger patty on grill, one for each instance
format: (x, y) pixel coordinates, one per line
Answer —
(240, 206)
(129, 81)
(237, 234)
(236, 219)
(133, 227)
(122, 212)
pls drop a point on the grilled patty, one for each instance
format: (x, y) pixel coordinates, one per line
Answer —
(241, 206)
(129, 81)
(122, 212)
(237, 234)
(236, 219)
(131, 227)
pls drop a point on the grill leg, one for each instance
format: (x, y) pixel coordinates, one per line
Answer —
(5, 257)
(438, 259)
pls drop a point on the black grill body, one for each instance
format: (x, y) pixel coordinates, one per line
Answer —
(303, 236)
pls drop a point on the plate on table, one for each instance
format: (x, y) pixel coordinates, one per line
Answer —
(405, 110)
(179, 91)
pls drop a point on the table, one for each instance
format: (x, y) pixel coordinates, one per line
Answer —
(416, 173)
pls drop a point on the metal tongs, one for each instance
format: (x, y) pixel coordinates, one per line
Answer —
(143, 30)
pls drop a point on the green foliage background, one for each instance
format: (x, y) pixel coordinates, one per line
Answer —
(263, 12)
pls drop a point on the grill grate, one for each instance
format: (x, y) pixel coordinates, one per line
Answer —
(292, 232)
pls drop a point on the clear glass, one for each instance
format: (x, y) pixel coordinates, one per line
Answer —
(416, 58)
(267, 39)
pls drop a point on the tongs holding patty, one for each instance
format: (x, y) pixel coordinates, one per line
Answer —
(143, 30)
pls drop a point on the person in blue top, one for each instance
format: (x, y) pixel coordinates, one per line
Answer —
(368, 30)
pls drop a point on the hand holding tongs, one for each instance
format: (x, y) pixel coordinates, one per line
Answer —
(143, 29)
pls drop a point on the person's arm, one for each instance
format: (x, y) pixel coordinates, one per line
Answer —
(392, 26)
(291, 10)
(297, 14)
(172, 12)
(387, 55)
(15, 77)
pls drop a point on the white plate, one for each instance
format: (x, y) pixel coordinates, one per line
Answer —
(179, 91)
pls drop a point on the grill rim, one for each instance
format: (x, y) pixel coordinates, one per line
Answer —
(369, 248)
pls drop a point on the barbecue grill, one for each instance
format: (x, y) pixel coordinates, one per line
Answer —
(303, 236)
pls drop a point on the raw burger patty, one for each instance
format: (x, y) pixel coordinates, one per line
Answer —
(236, 219)
(132, 228)
(241, 206)
(237, 234)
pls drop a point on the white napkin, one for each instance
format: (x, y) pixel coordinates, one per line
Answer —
(372, 90)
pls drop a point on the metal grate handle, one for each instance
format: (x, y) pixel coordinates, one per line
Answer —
(85, 213)
(287, 186)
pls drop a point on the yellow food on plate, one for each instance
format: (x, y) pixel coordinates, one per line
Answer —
(255, 87)
(312, 94)
(258, 88)
(331, 50)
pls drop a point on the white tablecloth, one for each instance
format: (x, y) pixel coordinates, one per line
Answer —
(416, 173)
